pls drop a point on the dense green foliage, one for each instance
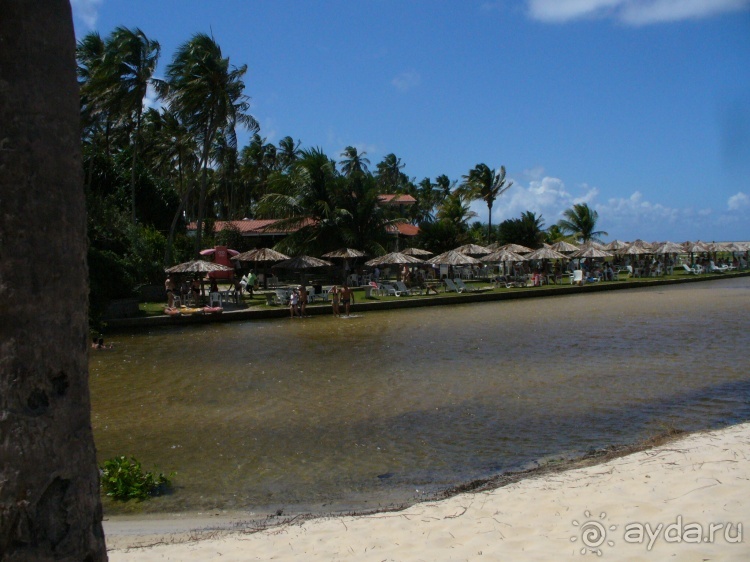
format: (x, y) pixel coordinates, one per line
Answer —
(124, 479)
(149, 173)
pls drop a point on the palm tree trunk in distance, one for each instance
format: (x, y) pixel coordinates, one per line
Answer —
(49, 484)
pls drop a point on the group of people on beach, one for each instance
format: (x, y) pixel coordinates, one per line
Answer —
(340, 296)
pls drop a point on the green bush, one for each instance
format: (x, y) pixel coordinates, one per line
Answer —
(124, 479)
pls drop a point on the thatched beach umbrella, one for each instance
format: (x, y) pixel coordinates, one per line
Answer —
(615, 245)
(472, 250)
(517, 248)
(669, 248)
(261, 255)
(563, 246)
(264, 256)
(345, 253)
(502, 256)
(301, 262)
(197, 266)
(452, 257)
(546, 254)
(416, 252)
(394, 258)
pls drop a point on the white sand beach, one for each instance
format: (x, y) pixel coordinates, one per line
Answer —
(688, 499)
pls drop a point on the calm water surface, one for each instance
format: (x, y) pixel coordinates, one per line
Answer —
(387, 406)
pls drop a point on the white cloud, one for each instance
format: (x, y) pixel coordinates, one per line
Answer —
(556, 11)
(632, 12)
(546, 197)
(624, 218)
(738, 202)
(86, 11)
(406, 81)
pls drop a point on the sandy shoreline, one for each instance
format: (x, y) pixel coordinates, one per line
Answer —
(683, 500)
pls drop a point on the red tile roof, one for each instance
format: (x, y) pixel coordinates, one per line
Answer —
(396, 199)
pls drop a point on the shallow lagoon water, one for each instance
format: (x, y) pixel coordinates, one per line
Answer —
(383, 408)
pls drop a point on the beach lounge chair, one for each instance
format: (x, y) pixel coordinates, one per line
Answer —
(577, 277)
(402, 289)
(388, 290)
(713, 268)
(689, 270)
(462, 286)
(282, 297)
(451, 286)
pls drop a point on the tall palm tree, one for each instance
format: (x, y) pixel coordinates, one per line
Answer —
(175, 159)
(207, 94)
(49, 497)
(306, 202)
(353, 162)
(580, 221)
(128, 67)
(389, 173)
(288, 153)
(444, 186)
(483, 183)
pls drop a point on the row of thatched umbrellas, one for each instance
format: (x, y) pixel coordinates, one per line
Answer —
(464, 255)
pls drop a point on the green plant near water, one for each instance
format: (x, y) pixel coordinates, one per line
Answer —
(124, 479)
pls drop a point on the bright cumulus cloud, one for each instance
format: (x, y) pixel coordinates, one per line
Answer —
(625, 218)
(633, 12)
(738, 202)
(546, 197)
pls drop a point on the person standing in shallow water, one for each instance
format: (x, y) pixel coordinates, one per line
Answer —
(169, 287)
(334, 294)
(347, 297)
(302, 301)
(293, 302)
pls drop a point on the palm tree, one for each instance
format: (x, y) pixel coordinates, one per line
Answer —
(444, 186)
(288, 153)
(306, 203)
(389, 173)
(353, 162)
(49, 497)
(128, 66)
(580, 221)
(207, 94)
(483, 183)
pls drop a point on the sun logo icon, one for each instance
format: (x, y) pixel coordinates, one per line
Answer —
(593, 533)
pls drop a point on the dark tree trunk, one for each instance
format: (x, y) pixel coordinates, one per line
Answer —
(49, 484)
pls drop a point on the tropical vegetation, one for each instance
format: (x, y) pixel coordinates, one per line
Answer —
(162, 154)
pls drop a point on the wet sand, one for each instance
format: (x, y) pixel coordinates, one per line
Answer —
(686, 499)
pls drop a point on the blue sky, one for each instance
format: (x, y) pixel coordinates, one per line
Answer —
(641, 108)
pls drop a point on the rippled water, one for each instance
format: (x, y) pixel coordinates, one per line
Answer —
(386, 406)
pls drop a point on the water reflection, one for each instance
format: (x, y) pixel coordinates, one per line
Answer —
(370, 409)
